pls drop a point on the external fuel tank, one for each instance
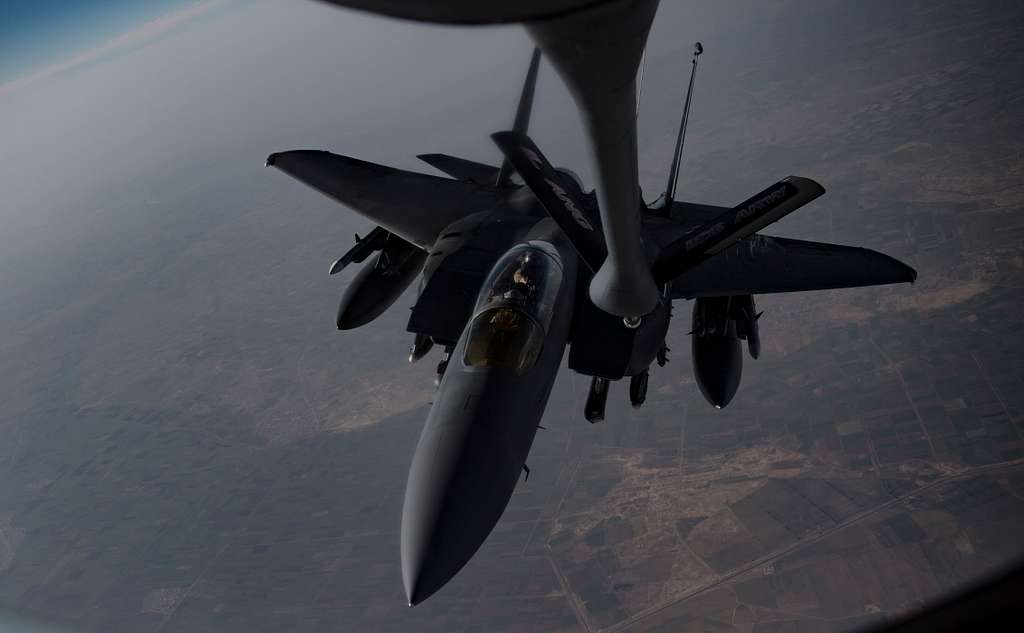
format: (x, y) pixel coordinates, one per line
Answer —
(380, 283)
(716, 349)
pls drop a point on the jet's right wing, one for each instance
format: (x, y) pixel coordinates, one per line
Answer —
(761, 264)
(416, 207)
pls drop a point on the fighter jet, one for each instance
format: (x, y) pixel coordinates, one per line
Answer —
(518, 262)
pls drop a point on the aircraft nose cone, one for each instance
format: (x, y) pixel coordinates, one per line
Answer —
(428, 567)
(459, 484)
(427, 562)
(410, 578)
(421, 581)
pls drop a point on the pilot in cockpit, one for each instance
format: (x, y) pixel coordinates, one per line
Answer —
(522, 287)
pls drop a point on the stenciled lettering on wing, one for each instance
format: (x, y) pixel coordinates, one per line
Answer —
(757, 206)
(570, 205)
(704, 236)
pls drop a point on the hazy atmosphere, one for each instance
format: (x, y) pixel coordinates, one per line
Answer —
(188, 443)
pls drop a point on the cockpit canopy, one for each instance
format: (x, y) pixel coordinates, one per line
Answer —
(514, 308)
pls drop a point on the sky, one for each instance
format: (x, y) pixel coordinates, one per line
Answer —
(36, 33)
(40, 41)
(237, 81)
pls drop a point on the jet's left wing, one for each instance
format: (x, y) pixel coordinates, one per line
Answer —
(761, 264)
(416, 207)
(462, 169)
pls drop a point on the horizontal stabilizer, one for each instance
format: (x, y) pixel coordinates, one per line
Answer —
(761, 265)
(415, 207)
(746, 218)
(462, 169)
(558, 197)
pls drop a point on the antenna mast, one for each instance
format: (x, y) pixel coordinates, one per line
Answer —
(673, 174)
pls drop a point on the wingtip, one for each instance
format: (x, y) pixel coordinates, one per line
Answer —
(809, 185)
(271, 160)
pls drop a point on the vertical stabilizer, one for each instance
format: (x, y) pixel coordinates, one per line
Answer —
(522, 122)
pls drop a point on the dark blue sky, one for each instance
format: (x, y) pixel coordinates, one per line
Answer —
(38, 32)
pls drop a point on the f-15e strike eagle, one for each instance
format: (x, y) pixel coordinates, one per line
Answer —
(516, 268)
